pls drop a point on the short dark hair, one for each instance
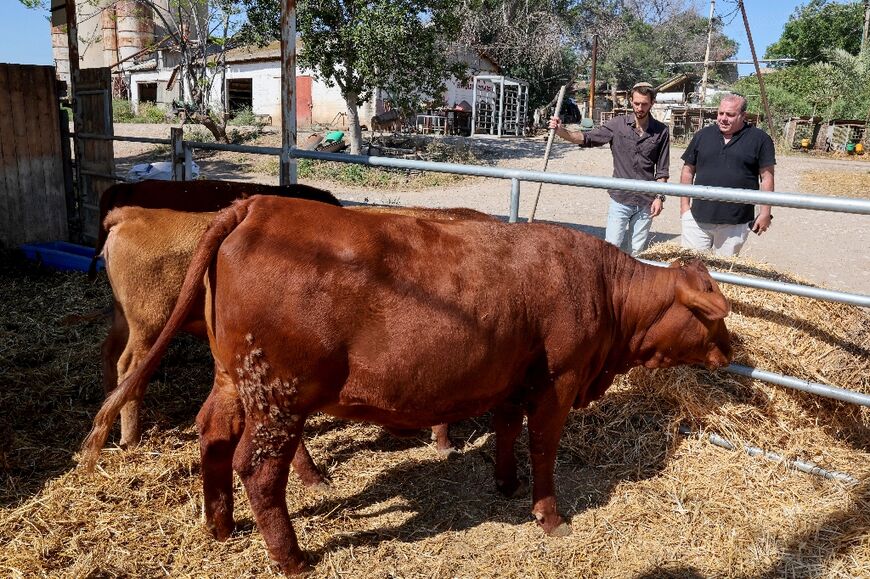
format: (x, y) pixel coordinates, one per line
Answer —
(644, 89)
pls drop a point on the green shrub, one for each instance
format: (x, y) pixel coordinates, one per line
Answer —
(151, 113)
(244, 117)
(122, 111)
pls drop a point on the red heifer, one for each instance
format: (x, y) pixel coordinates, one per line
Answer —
(409, 323)
(201, 195)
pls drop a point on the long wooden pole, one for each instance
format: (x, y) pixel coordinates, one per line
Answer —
(592, 76)
(550, 138)
(768, 120)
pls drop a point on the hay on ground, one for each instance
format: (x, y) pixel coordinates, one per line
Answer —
(643, 500)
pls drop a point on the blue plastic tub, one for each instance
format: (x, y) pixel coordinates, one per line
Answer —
(61, 255)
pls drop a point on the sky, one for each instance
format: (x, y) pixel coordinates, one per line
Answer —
(25, 36)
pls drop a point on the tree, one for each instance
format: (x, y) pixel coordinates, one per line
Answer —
(817, 26)
(200, 32)
(658, 32)
(400, 46)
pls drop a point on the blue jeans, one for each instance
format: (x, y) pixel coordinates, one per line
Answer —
(635, 218)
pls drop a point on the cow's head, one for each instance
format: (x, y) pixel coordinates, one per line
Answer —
(692, 330)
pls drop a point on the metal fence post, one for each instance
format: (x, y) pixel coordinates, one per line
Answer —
(515, 201)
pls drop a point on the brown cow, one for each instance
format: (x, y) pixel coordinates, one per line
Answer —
(201, 195)
(409, 323)
(390, 121)
(147, 252)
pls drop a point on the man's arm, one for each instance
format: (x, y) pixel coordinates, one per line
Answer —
(762, 222)
(575, 137)
(687, 177)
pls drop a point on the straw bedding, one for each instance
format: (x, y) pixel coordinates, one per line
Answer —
(643, 500)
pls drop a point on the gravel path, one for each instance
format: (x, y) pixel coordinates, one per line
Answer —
(831, 249)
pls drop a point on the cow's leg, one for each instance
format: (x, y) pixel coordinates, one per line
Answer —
(441, 436)
(307, 471)
(131, 420)
(263, 463)
(546, 420)
(112, 347)
(508, 423)
(220, 421)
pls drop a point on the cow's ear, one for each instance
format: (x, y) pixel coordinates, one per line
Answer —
(710, 304)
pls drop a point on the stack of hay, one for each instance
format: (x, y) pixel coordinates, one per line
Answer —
(644, 501)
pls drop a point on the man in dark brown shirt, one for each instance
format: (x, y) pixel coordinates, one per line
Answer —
(641, 150)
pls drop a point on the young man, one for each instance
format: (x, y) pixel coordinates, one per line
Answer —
(727, 154)
(641, 148)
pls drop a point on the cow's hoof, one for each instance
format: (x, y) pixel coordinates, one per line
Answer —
(448, 453)
(514, 489)
(321, 488)
(563, 530)
(296, 569)
(221, 531)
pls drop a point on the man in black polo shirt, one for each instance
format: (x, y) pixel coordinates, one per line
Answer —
(727, 154)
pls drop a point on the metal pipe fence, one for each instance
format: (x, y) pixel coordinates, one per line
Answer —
(516, 176)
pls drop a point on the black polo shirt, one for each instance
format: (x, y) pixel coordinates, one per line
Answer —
(736, 165)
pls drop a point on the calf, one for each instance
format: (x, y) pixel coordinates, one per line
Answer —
(390, 121)
(200, 195)
(409, 323)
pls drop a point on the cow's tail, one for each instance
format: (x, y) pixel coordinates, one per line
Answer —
(134, 385)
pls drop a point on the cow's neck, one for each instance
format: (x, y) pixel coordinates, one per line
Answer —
(641, 295)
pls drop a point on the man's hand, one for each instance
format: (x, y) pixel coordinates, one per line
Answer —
(762, 222)
(656, 207)
(575, 137)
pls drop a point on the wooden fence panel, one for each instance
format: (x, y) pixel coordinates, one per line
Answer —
(32, 195)
(95, 98)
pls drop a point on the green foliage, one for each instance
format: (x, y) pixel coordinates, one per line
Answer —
(122, 112)
(641, 51)
(818, 26)
(245, 117)
(837, 88)
(360, 45)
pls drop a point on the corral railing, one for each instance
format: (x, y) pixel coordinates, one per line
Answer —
(183, 157)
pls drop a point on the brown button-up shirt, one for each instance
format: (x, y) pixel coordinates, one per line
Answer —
(645, 156)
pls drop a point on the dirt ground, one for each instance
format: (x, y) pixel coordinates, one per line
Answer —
(826, 248)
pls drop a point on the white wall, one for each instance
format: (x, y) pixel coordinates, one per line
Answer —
(266, 88)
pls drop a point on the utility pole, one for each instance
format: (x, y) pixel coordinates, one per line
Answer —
(866, 24)
(703, 96)
(707, 54)
(768, 120)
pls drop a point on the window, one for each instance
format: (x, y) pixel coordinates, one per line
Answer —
(147, 92)
(240, 94)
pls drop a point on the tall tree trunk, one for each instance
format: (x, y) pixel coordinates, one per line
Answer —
(353, 123)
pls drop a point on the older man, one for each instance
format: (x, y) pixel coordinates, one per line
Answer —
(641, 149)
(727, 154)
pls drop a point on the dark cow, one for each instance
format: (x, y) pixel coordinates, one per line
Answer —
(409, 323)
(201, 195)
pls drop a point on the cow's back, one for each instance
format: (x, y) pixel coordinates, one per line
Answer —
(147, 254)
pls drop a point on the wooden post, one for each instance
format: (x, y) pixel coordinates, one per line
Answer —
(768, 120)
(72, 35)
(288, 91)
(703, 95)
(592, 77)
(177, 138)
